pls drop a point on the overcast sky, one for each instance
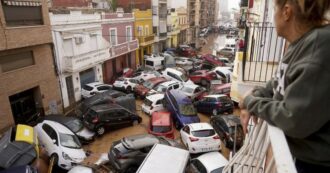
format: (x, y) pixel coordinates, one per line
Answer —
(183, 3)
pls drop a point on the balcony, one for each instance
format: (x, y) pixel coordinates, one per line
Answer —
(265, 151)
(146, 40)
(162, 35)
(85, 60)
(163, 1)
(124, 48)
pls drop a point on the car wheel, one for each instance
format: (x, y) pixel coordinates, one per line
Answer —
(100, 130)
(214, 112)
(177, 125)
(129, 89)
(54, 160)
(135, 122)
(204, 82)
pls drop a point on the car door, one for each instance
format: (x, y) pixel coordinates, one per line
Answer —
(201, 105)
(158, 105)
(185, 134)
(49, 135)
(123, 117)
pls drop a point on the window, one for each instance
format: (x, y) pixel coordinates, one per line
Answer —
(22, 13)
(159, 102)
(174, 76)
(128, 33)
(140, 30)
(50, 132)
(146, 30)
(150, 63)
(16, 61)
(113, 36)
(199, 166)
(186, 129)
(203, 133)
(103, 88)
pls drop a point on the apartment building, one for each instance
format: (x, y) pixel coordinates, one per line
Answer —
(29, 85)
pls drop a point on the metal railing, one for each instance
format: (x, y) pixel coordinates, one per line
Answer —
(265, 151)
(263, 52)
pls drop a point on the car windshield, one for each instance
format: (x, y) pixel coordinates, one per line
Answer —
(148, 84)
(147, 102)
(218, 170)
(203, 133)
(161, 129)
(161, 88)
(184, 77)
(75, 125)
(187, 90)
(70, 141)
(187, 110)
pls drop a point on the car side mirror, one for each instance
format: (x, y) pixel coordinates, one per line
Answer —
(54, 141)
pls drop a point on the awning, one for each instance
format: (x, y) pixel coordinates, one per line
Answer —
(23, 2)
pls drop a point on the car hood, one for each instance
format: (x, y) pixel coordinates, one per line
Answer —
(190, 119)
(77, 155)
(189, 82)
(85, 133)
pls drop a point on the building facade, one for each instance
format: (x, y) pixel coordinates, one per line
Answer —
(130, 5)
(173, 29)
(183, 25)
(29, 84)
(118, 31)
(143, 31)
(193, 20)
(80, 51)
(159, 21)
(207, 13)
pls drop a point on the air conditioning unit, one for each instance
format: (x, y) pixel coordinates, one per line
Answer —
(79, 40)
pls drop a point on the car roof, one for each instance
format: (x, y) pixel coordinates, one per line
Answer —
(200, 126)
(161, 119)
(212, 160)
(94, 84)
(155, 97)
(215, 95)
(105, 107)
(173, 70)
(139, 141)
(179, 96)
(167, 83)
(58, 127)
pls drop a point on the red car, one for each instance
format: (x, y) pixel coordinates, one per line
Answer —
(203, 77)
(212, 59)
(141, 90)
(186, 51)
(219, 88)
(161, 124)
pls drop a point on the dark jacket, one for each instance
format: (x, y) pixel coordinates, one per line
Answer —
(297, 100)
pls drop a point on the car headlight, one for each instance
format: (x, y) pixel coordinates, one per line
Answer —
(66, 156)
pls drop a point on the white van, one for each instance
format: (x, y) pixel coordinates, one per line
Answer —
(154, 63)
(165, 159)
(176, 75)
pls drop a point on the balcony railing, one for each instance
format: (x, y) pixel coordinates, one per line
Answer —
(146, 40)
(124, 48)
(81, 61)
(265, 151)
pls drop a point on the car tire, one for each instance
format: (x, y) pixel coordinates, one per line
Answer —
(214, 112)
(129, 89)
(100, 130)
(54, 159)
(135, 122)
(177, 125)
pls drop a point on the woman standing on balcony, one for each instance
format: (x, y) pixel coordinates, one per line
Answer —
(297, 100)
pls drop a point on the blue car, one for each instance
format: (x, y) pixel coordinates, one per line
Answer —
(215, 104)
(181, 108)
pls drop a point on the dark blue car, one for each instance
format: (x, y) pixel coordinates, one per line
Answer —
(215, 104)
(181, 108)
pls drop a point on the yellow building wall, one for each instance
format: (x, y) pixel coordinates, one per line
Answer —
(175, 27)
(143, 19)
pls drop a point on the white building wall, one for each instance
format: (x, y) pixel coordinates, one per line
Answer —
(79, 45)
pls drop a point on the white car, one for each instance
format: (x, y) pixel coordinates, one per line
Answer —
(226, 62)
(200, 137)
(223, 73)
(60, 144)
(154, 62)
(212, 162)
(176, 75)
(88, 90)
(153, 104)
(185, 63)
(192, 91)
(145, 75)
(125, 84)
(163, 87)
(227, 51)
